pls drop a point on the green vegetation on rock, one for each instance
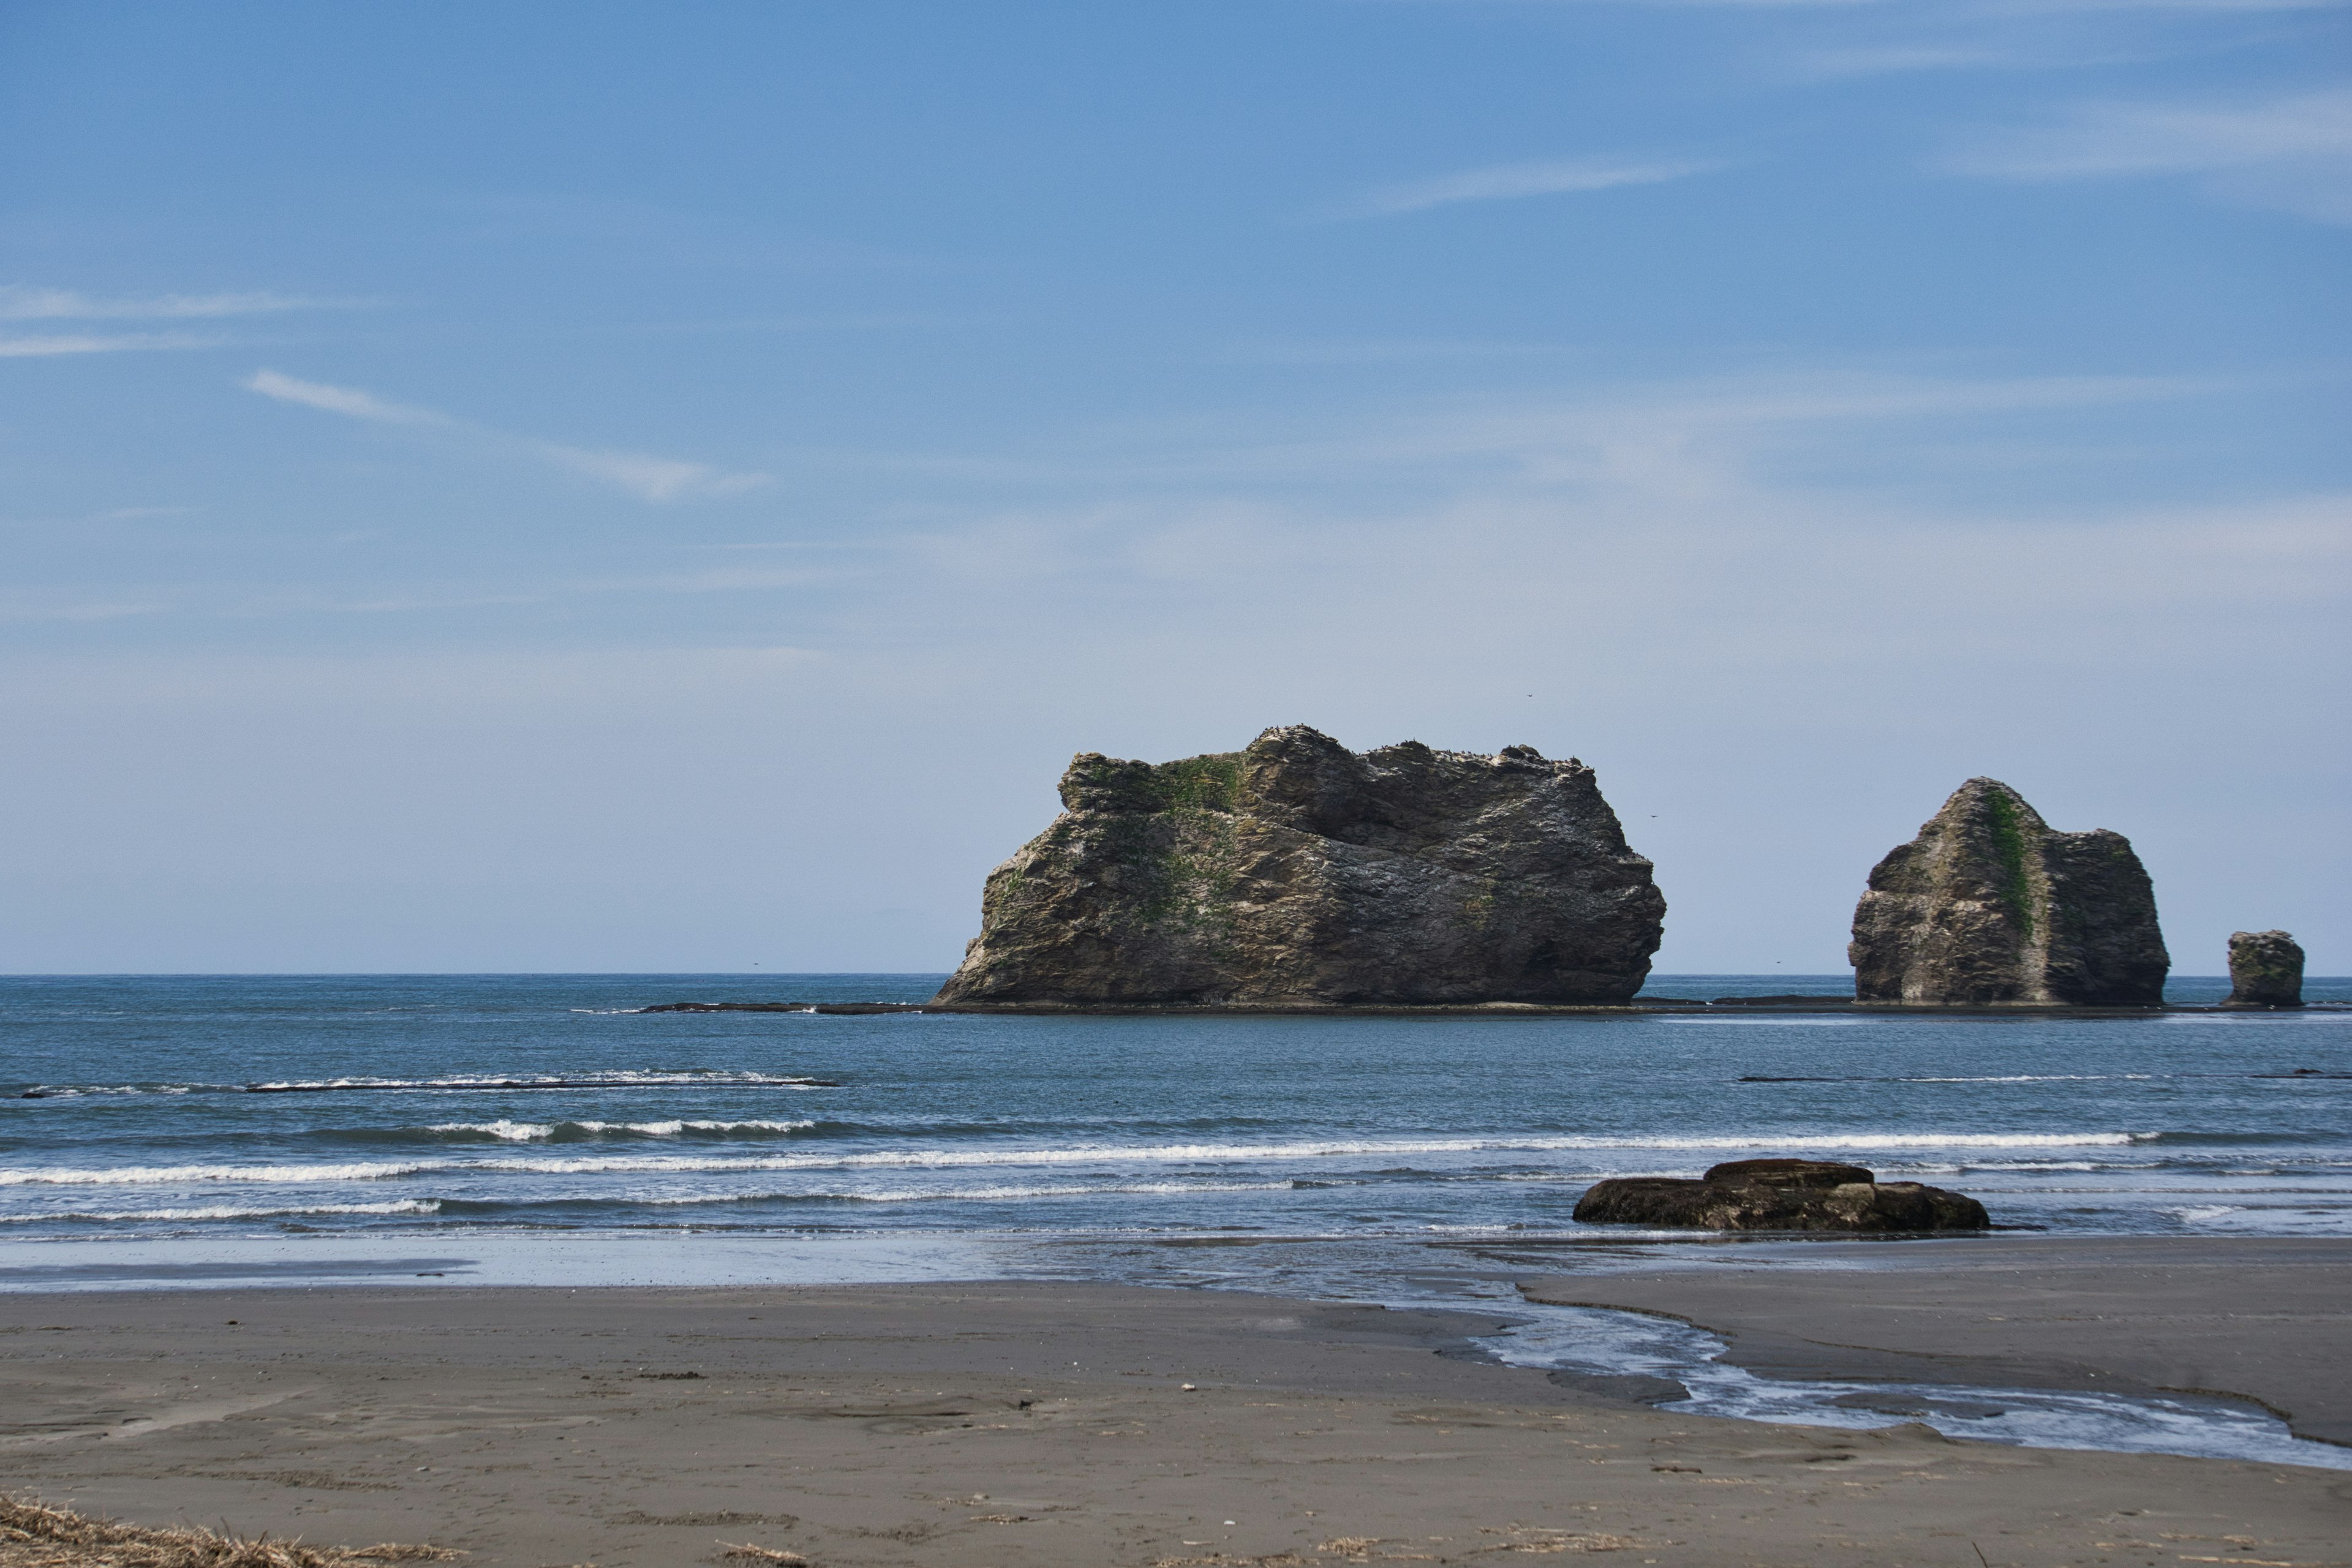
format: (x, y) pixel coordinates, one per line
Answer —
(1213, 783)
(1187, 853)
(2016, 888)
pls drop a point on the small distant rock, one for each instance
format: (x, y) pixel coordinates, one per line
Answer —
(1779, 1195)
(1990, 906)
(2265, 970)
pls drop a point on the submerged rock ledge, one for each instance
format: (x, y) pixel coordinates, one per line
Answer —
(1446, 1010)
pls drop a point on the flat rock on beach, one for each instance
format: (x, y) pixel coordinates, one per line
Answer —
(1012, 1424)
(1779, 1195)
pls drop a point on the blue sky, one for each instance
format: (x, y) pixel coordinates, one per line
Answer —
(667, 488)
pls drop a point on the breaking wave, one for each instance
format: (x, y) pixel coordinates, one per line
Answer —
(475, 1083)
(227, 1211)
(1000, 1194)
(1083, 1154)
(508, 1131)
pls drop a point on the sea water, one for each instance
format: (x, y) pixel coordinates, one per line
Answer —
(542, 1129)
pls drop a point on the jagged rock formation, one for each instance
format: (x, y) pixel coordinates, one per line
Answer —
(1299, 873)
(2265, 970)
(1989, 906)
(1779, 1195)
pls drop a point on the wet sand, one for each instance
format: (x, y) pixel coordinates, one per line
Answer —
(2266, 1318)
(1014, 1424)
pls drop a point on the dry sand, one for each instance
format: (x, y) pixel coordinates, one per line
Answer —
(1014, 1424)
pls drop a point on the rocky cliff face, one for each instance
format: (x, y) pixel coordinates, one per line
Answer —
(1299, 873)
(1989, 905)
(2265, 970)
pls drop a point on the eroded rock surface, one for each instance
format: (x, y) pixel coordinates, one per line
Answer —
(1296, 872)
(1990, 906)
(2265, 970)
(1779, 1195)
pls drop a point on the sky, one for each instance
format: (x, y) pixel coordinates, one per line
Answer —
(667, 488)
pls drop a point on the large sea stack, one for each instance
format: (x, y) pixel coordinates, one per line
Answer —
(2265, 970)
(1298, 873)
(1990, 906)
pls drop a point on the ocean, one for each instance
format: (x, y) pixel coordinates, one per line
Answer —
(538, 1129)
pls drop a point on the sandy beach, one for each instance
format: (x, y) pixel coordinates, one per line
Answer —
(1048, 1423)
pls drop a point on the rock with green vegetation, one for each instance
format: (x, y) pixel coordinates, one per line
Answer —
(1298, 873)
(1990, 906)
(2265, 970)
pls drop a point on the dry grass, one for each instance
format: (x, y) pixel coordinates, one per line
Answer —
(33, 1535)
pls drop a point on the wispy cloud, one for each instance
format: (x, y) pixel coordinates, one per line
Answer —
(2292, 152)
(51, 345)
(647, 477)
(24, 302)
(1702, 439)
(654, 479)
(1368, 350)
(21, 609)
(1512, 182)
(1886, 59)
(342, 400)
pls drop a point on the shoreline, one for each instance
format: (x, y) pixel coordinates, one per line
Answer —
(2266, 1320)
(1011, 1421)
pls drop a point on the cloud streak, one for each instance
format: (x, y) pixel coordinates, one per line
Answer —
(1514, 182)
(643, 475)
(51, 345)
(649, 477)
(346, 401)
(2293, 153)
(23, 302)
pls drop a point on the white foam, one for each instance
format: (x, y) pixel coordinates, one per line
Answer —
(1083, 1154)
(2023, 1078)
(161, 1176)
(512, 1132)
(1000, 1194)
(227, 1211)
(970, 1195)
(1214, 1153)
(1809, 1022)
(626, 1077)
(671, 1129)
(538, 1132)
(79, 1090)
